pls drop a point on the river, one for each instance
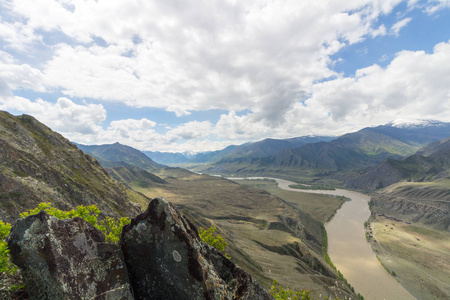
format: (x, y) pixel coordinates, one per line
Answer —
(349, 250)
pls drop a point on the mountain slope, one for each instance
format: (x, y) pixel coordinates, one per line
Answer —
(259, 149)
(255, 150)
(430, 163)
(303, 140)
(121, 153)
(419, 134)
(133, 176)
(39, 165)
(369, 145)
(427, 203)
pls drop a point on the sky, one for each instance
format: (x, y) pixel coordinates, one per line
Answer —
(194, 76)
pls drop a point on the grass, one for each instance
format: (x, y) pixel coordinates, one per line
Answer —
(311, 187)
(418, 256)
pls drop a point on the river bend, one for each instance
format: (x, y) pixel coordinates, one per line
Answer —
(349, 250)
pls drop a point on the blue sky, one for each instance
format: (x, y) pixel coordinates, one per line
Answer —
(200, 75)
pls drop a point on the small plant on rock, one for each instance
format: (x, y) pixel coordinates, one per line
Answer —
(215, 240)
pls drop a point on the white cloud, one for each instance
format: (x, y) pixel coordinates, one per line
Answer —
(383, 58)
(198, 55)
(380, 31)
(191, 136)
(133, 124)
(436, 5)
(395, 29)
(83, 123)
(18, 36)
(189, 131)
(414, 84)
(15, 76)
(264, 58)
(63, 116)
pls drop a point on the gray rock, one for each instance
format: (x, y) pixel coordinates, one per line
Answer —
(166, 260)
(67, 259)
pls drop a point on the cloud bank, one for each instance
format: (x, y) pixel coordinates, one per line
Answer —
(268, 64)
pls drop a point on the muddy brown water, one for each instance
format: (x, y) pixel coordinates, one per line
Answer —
(349, 250)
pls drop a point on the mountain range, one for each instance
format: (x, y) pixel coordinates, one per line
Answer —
(231, 153)
(352, 151)
(369, 159)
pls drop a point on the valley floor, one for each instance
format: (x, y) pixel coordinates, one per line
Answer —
(251, 221)
(419, 257)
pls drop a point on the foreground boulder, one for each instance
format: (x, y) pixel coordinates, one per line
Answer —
(166, 260)
(67, 259)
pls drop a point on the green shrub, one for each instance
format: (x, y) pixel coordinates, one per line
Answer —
(6, 266)
(279, 293)
(110, 227)
(215, 240)
(9, 272)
